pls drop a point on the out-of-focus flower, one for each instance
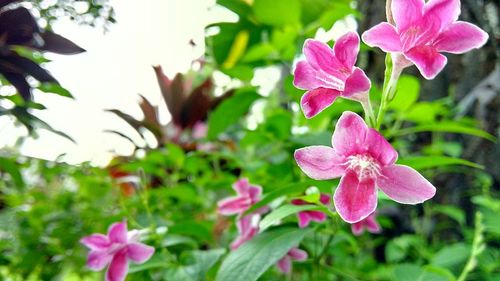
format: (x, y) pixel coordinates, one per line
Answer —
(305, 217)
(115, 249)
(285, 264)
(422, 31)
(328, 73)
(247, 196)
(248, 227)
(369, 223)
(365, 161)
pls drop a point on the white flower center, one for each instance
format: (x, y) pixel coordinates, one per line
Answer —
(365, 166)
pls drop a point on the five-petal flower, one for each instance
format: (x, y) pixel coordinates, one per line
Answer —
(115, 249)
(305, 217)
(423, 30)
(248, 227)
(247, 196)
(369, 223)
(285, 263)
(365, 161)
(328, 73)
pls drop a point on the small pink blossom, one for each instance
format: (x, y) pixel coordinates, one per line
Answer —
(365, 161)
(285, 264)
(369, 223)
(328, 73)
(305, 217)
(248, 227)
(247, 196)
(422, 31)
(115, 249)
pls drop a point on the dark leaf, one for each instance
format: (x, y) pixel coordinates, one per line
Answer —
(197, 105)
(150, 112)
(173, 93)
(18, 27)
(57, 44)
(123, 136)
(4, 3)
(18, 81)
(28, 67)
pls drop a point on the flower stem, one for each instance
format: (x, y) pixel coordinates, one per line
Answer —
(369, 115)
(391, 77)
(478, 247)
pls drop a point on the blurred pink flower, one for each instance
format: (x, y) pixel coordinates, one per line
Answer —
(285, 263)
(423, 30)
(115, 249)
(305, 217)
(369, 223)
(247, 196)
(328, 73)
(248, 227)
(365, 161)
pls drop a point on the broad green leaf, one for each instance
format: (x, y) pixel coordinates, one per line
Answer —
(451, 256)
(407, 272)
(55, 89)
(258, 52)
(451, 211)
(277, 12)
(447, 127)
(285, 211)
(12, 168)
(407, 92)
(424, 112)
(414, 272)
(158, 260)
(428, 162)
(230, 111)
(194, 265)
(253, 258)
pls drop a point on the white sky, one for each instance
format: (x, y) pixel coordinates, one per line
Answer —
(115, 69)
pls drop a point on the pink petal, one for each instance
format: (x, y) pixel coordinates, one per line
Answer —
(346, 50)
(285, 264)
(254, 192)
(117, 232)
(444, 12)
(308, 78)
(384, 36)
(405, 185)
(406, 12)
(319, 162)
(315, 101)
(96, 241)
(460, 37)
(357, 83)
(118, 268)
(349, 135)
(297, 254)
(372, 225)
(317, 216)
(304, 219)
(241, 186)
(380, 148)
(139, 252)
(355, 200)
(428, 61)
(320, 56)
(324, 199)
(233, 205)
(357, 228)
(97, 260)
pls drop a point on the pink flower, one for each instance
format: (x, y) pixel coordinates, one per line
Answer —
(247, 196)
(330, 73)
(285, 263)
(369, 223)
(115, 249)
(365, 161)
(423, 30)
(305, 217)
(248, 227)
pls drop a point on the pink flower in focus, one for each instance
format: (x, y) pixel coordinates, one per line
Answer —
(369, 223)
(365, 161)
(422, 31)
(247, 196)
(330, 73)
(285, 263)
(115, 249)
(248, 227)
(305, 217)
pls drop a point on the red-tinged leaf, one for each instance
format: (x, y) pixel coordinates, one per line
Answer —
(18, 27)
(197, 105)
(150, 112)
(173, 93)
(55, 43)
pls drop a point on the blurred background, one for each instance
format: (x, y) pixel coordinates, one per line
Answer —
(150, 111)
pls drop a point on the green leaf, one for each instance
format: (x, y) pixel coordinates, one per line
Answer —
(448, 127)
(428, 162)
(285, 211)
(277, 12)
(451, 256)
(407, 92)
(55, 89)
(158, 260)
(407, 272)
(230, 111)
(254, 257)
(258, 52)
(13, 169)
(194, 265)
(452, 212)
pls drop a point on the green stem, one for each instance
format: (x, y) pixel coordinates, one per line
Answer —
(478, 247)
(368, 109)
(391, 77)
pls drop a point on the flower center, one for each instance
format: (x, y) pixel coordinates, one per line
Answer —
(365, 166)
